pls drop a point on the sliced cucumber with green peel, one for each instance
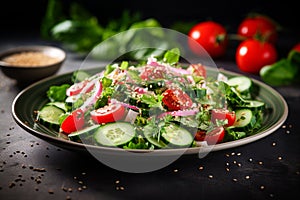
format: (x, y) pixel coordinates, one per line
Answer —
(78, 135)
(148, 133)
(115, 134)
(49, 116)
(244, 119)
(241, 83)
(176, 136)
(60, 105)
(255, 104)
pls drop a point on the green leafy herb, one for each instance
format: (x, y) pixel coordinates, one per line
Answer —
(286, 71)
(57, 93)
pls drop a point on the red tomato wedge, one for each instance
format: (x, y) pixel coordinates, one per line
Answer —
(176, 99)
(76, 88)
(223, 114)
(73, 122)
(108, 113)
(197, 69)
(211, 137)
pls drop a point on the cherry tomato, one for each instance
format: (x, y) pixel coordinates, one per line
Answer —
(73, 122)
(176, 99)
(76, 88)
(211, 137)
(252, 55)
(197, 69)
(211, 35)
(223, 114)
(259, 27)
(108, 113)
(296, 47)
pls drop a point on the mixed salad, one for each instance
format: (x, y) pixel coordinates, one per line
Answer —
(155, 104)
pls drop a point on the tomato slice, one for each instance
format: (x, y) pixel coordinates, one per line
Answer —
(151, 73)
(223, 114)
(76, 88)
(73, 122)
(197, 69)
(108, 113)
(211, 137)
(176, 99)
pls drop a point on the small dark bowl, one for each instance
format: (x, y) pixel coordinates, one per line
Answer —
(25, 74)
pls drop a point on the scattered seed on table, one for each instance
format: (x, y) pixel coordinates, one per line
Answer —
(11, 185)
(175, 170)
(247, 177)
(234, 180)
(79, 189)
(210, 176)
(68, 198)
(201, 168)
(50, 191)
(262, 187)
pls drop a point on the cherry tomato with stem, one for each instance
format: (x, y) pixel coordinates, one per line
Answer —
(252, 55)
(259, 27)
(211, 35)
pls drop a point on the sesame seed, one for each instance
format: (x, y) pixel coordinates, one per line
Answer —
(279, 158)
(210, 176)
(234, 180)
(262, 187)
(247, 177)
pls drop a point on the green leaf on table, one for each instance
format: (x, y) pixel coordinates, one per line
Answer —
(280, 73)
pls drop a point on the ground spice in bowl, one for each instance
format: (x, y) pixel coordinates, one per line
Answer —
(30, 59)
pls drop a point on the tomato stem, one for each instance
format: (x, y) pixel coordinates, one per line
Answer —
(236, 37)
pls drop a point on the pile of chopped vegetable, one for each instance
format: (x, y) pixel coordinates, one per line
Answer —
(160, 103)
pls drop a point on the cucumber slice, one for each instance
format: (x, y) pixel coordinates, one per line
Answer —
(60, 105)
(177, 136)
(255, 104)
(148, 133)
(244, 119)
(241, 83)
(49, 116)
(115, 134)
(78, 135)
